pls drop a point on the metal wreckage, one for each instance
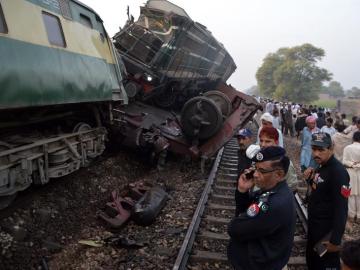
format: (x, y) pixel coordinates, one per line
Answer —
(176, 73)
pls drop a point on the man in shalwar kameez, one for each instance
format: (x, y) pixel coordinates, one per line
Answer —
(306, 159)
(351, 160)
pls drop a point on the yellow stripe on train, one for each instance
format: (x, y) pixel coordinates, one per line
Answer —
(25, 23)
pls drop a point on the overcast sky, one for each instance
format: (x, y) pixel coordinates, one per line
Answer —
(251, 29)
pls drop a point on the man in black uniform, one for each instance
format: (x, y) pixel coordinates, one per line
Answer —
(261, 237)
(328, 206)
(244, 140)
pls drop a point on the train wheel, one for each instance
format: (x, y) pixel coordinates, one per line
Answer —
(81, 127)
(201, 118)
(5, 201)
(132, 89)
(221, 100)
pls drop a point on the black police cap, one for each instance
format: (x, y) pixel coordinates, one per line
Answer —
(321, 139)
(273, 153)
(269, 153)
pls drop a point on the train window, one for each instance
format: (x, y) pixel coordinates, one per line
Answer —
(54, 30)
(85, 20)
(3, 27)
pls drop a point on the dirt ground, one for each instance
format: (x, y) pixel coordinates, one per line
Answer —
(46, 230)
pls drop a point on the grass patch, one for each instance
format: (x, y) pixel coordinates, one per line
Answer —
(326, 103)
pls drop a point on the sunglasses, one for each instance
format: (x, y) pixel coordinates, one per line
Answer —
(264, 171)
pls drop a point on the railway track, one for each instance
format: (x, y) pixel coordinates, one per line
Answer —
(205, 243)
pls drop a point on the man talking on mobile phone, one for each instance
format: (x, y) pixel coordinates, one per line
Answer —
(261, 236)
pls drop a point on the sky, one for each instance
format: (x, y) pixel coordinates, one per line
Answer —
(250, 29)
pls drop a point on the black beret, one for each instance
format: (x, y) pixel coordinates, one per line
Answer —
(269, 153)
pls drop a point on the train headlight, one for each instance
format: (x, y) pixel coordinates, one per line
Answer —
(148, 78)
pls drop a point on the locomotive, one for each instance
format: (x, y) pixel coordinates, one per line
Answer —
(175, 63)
(59, 80)
(169, 57)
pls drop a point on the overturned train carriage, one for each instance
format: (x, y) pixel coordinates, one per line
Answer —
(177, 64)
(59, 79)
(201, 135)
(169, 57)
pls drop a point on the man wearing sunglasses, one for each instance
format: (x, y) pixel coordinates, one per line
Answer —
(261, 237)
(328, 206)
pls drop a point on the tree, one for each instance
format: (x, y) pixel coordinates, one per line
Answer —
(335, 89)
(292, 74)
(354, 92)
(253, 90)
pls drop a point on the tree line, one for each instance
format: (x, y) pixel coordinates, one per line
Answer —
(293, 74)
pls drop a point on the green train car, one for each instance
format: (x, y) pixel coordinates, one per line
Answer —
(59, 83)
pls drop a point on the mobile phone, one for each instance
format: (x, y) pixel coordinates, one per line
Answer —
(249, 175)
(320, 249)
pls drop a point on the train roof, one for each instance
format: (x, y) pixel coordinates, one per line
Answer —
(166, 7)
(88, 8)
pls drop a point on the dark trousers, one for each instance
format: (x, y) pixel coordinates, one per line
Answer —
(317, 231)
(289, 129)
(330, 261)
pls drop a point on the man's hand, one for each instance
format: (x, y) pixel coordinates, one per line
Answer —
(331, 247)
(309, 173)
(245, 184)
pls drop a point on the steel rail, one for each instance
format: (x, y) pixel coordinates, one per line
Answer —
(301, 212)
(186, 247)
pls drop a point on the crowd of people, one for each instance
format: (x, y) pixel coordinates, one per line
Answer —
(262, 231)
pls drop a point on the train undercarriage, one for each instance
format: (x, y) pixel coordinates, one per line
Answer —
(36, 152)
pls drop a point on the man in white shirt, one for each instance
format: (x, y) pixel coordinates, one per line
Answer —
(351, 160)
(269, 107)
(328, 128)
(352, 127)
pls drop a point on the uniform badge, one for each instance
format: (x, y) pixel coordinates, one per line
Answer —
(318, 179)
(259, 156)
(253, 210)
(264, 207)
(345, 191)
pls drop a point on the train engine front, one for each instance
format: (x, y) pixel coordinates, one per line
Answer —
(169, 57)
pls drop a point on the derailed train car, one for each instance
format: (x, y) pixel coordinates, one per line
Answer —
(176, 63)
(59, 79)
(169, 57)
